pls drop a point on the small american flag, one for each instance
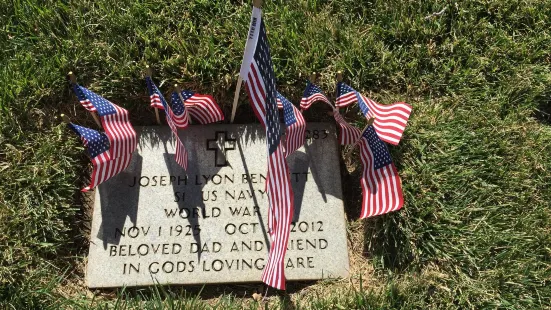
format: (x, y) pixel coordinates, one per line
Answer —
(179, 113)
(295, 125)
(312, 93)
(203, 108)
(258, 73)
(181, 152)
(348, 134)
(381, 184)
(97, 144)
(155, 100)
(390, 120)
(115, 122)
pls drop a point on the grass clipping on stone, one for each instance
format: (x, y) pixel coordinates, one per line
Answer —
(475, 159)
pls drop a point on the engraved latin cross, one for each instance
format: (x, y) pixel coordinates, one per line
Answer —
(220, 145)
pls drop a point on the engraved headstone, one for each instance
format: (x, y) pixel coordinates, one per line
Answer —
(155, 223)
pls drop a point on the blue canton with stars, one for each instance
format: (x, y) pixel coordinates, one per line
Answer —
(95, 141)
(288, 113)
(102, 105)
(312, 89)
(177, 105)
(186, 94)
(266, 68)
(342, 89)
(380, 152)
(362, 103)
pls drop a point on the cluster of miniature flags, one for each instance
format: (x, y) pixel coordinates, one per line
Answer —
(111, 151)
(380, 182)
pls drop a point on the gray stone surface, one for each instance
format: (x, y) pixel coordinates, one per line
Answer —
(153, 224)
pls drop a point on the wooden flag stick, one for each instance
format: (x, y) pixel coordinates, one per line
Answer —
(369, 123)
(236, 98)
(149, 73)
(65, 119)
(179, 91)
(73, 80)
(339, 79)
(72, 77)
(313, 79)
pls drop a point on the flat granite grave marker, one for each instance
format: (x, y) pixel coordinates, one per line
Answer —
(155, 223)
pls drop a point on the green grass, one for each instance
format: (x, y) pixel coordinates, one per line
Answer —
(475, 160)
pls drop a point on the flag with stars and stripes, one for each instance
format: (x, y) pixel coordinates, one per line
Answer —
(258, 73)
(115, 122)
(181, 155)
(381, 184)
(348, 134)
(178, 112)
(155, 99)
(312, 93)
(97, 144)
(390, 120)
(179, 118)
(202, 108)
(295, 125)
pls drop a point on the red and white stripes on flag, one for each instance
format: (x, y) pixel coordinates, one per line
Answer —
(156, 102)
(121, 134)
(348, 134)
(87, 104)
(178, 113)
(104, 169)
(313, 93)
(381, 188)
(114, 119)
(181, 154)
(280, 215)
(295, 133)
(381, 184)
(295, 125)
(97, 145)
(255, 90)
(257, 72)
(155, 94)
(390, 120)
(118, 130)
(202, 108)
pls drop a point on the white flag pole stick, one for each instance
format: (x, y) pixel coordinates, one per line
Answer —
(149, 73)
(258, 5)
(236, 98)
(73, 80)
(369, 123)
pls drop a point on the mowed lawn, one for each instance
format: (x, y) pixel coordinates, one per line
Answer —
(475, 160)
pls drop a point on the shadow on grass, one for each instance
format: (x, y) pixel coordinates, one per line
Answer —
(384, 235)
(543, 112)
(207, 291)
